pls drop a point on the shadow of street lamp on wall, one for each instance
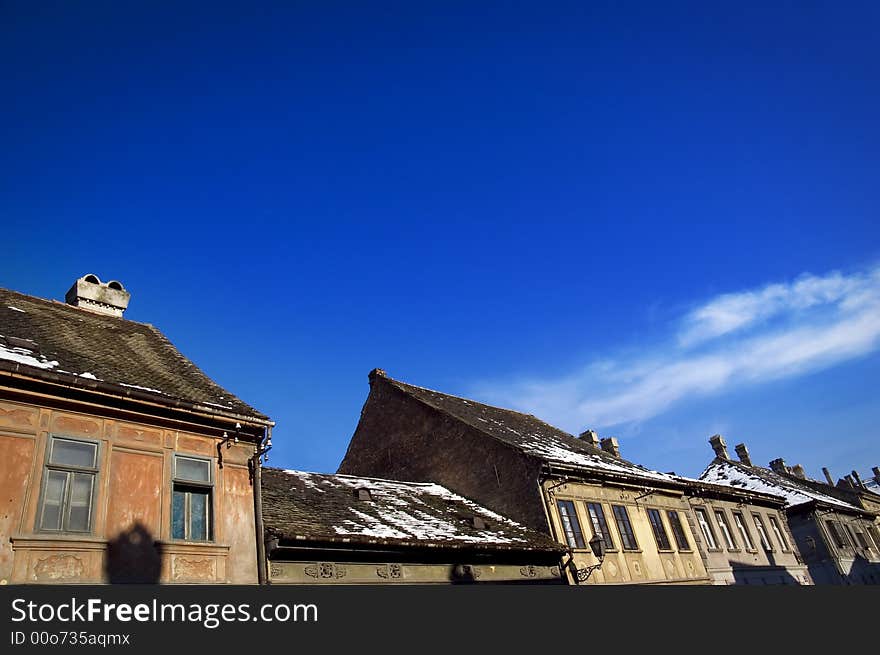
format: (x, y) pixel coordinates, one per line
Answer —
(597, 545)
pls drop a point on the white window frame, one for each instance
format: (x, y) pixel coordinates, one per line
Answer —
(739, 521)
(780, 536)
(762, 533)
(721, 520)
(703, 520)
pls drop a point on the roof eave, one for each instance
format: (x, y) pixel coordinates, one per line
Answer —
(16, 369)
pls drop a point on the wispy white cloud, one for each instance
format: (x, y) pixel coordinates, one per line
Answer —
(733, 340)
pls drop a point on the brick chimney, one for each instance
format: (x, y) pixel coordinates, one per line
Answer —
(798, 471)
(88, 292)
(743, 453)
(610, 446)
(828, 476)
(779, 466)
(876, 472)
(591, 437)
(718, 445)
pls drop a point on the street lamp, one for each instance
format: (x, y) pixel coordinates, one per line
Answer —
(597, 545)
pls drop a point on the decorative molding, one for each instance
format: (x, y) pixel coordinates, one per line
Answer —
(276, 571)
(325, 570)
(58, 567)
(528, 571)
(195, 569)
(392, 571)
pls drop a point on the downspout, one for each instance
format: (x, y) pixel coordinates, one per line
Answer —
(262, 566)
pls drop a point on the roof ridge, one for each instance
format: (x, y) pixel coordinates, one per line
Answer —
(361, 477)
(52, 302)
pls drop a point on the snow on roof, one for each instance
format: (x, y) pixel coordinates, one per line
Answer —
(27, 357)
(322, 505)
(767, 481)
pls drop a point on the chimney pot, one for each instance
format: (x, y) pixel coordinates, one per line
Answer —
(610, 446)
(857, 478)
(876, 472)
(88, 292)
(828, 476)
(798, 471)
(779, 466)
(718, 445)
(590, 436)
(743, 453)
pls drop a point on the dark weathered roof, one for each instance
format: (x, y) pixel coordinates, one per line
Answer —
(756, 478)
(530, 435)
(322, 507)
(43, 337)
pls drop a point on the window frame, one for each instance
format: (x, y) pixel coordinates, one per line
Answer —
(706, 529)
(835, 529)
(739, 520)
(659, 529)
(606, 534)
(776, 526)
(724, 527)
(629, 533)
(679, 535)
(69, 470)
(763, 535)
(188, 487)
(570, 514)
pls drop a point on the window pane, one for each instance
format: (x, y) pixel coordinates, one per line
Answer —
(600, 525)
(197, 470)
(198, 516)
(52, 499)
(178, 515)
(80, 502)
(570, 524)
(706, 528)
(627, 538)
(73, 453)
(659, 531)
(678, 530)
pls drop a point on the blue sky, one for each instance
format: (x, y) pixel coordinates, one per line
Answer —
(659, 220)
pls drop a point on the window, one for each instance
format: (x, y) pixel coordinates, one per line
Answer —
(191, 499)
(659, 531)
(780, 536)
(762, 533)
(836, 533)
(875, 536)
(725, 529)
(743, 531)
(627, 538)
(862, 540)
(68, 486)
(852, 536)
(678, 530)
(706, 528)
(570, 524)
(600, 525)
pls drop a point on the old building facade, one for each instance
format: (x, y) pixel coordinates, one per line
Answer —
(836, 539)
(122, 461)
(569, 488)
(339, 529)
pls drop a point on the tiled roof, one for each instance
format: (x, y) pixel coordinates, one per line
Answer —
(41, 337)
(323, 507)
(756, 478)
(531, 435)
